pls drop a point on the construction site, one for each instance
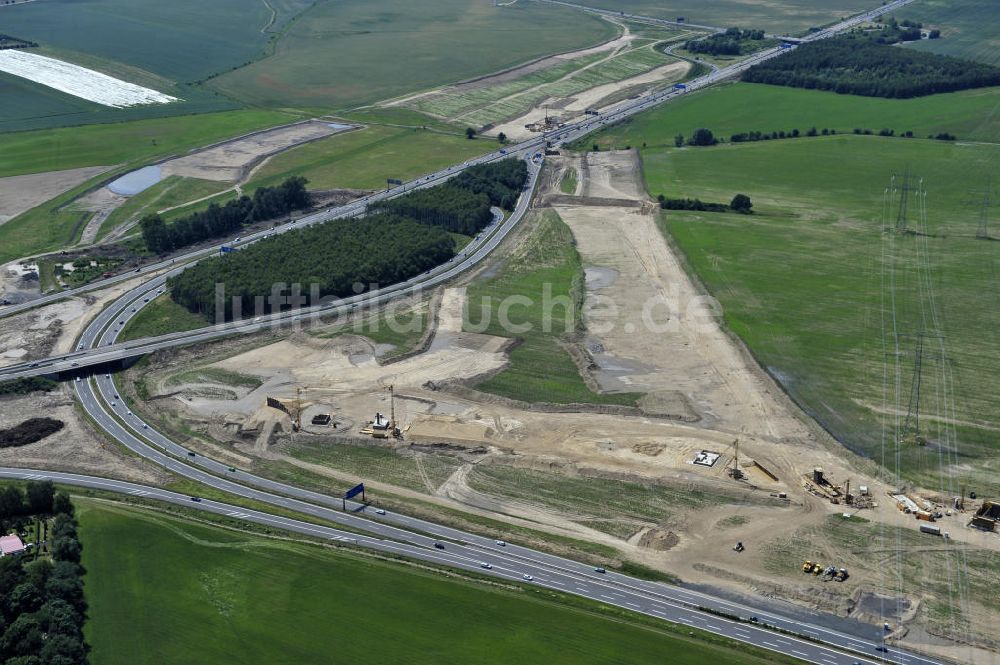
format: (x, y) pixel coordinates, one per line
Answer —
(715, 476)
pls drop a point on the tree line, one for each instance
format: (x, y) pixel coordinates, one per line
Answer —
(730, 42)
(741, 203)
(26, 385)
(395, 241)
(853, 64)
(43, 607)
(217, 221)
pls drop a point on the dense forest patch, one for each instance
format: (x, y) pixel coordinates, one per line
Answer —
(858, 65)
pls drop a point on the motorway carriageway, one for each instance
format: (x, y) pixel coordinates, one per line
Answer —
(507, 562)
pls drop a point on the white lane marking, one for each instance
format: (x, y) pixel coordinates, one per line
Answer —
(770, 644)
(606, 597)
(632, 605)
(799, 653)
(713, 627)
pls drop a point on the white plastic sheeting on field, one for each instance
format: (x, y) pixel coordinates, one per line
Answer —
(78, 81)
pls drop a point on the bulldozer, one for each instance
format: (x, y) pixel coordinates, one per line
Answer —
(807, 566)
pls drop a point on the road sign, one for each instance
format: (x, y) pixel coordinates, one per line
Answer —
(353, 492)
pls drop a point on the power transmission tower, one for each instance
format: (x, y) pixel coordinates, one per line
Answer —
(983, 233)
(911, 424)
(902, 210)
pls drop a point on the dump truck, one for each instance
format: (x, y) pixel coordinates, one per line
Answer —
(933, 530)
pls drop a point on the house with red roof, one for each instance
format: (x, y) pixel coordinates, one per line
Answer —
(11, 545)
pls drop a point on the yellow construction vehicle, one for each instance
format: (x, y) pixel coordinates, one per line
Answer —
(807, 566)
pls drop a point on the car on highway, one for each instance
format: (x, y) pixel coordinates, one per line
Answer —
(501, 543)
(528, 577)
(380, 511)
(145, 426)
(882, 648)
(116, 396)
(191, 453)
(486, 565)
(231, 469)
(78, 379)
(74, 364)
(196, 499)
(439, 546)
(599, 570)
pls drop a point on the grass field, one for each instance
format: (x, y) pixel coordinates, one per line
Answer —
(540, 369)
(161, 316)
(184, 40)
(780, 16)
(568, 183)
(162, 589)
(96, 145)
(614, 506)
(968, 28)
(971, 115)
(166, 47)
(801, 282)
(379, 49)
(377, 463)
(363, 159)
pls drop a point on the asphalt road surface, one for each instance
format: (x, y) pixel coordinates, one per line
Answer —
(525, 566)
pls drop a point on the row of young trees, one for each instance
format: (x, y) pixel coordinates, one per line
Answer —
(730, 42)
(42, 606)
(397, 240)
(217, 221)
(854, 64)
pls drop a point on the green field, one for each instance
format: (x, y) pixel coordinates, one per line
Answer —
(617, 507)
(363, 159)
(97, 145)
(183, 40)
(970, 115)
(161, 316)
(162, 589)
(801, 282)
(373, 50)
(779, 16)
(568, 183)
(167, 47)
(968, 28)
(540, 370)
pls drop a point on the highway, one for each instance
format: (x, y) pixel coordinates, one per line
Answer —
(516, 564)
(395, 532)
